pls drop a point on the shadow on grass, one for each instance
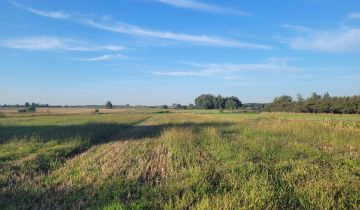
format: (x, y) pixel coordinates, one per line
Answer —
(12, 193)
(93, 133)
(112, 194)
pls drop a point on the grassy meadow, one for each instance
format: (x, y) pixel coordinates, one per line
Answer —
(178, 159)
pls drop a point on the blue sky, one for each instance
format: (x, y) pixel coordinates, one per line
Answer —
(170, 51)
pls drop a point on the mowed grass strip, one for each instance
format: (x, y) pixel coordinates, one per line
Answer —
(195, 161)
(37, 145)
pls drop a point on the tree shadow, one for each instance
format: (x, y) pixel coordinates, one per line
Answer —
(93, 134)
(125, 194)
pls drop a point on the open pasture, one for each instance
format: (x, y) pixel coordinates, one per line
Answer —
(179, 159)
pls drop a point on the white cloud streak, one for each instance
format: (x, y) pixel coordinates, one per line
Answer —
(124, 28)
(344, 40)
(54, 14)
(16, 4)
(195, 39)
(46, 43)
(182, 73)
(227, 71)
(104, 58)
(352, 16)
(195, 5)
(296, 27)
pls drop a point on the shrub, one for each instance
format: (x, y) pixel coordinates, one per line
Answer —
(27, 109)
(96, 111)
(162, 112)
(31, 109)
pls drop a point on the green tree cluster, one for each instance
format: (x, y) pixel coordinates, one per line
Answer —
(316, 104)
(208, 101)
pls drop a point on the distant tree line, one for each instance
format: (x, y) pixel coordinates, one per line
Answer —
(27, 104)
(208, 101)
(316, 104)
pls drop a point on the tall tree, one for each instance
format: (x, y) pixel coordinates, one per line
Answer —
(326, 96)
(232, 103)
(219, 102)
(314, 96)
(205, 101)
(108, 105)
(299, 97)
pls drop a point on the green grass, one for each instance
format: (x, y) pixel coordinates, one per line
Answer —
(151, 159)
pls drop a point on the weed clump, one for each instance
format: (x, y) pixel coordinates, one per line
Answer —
(162, 112)
(27, 109)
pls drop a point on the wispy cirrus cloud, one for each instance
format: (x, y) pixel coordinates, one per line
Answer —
(182, 73)
(124, 28)
(355, 15)
(50, 14)
(104, 58)
(16, 4)
(196, 5)
(46, 43)
(181, 37)
(337, 41)
(296, 27)
(229, 71)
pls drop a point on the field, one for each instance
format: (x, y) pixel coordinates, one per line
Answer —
(168, 159)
